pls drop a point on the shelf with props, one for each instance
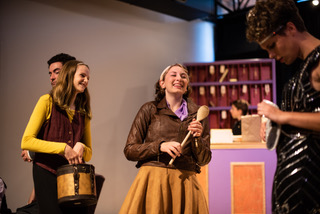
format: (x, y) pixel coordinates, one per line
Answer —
(218, 84)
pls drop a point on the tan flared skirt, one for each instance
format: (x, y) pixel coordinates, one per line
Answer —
(158, 190)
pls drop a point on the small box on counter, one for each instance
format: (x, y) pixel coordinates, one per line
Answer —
(250, 128)
(221, 136)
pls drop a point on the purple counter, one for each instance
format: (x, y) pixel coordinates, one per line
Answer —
(219, 175)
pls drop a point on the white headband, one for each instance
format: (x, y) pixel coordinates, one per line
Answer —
(164, 72)
(167, 69)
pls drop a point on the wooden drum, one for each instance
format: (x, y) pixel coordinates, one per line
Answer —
(76, 185)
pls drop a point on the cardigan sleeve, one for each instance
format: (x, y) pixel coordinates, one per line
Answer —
(39, 116)
(87, 154)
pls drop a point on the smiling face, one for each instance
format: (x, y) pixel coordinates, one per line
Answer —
(81, 78)
(175, 81)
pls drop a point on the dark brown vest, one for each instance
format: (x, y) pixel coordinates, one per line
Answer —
(59, 129)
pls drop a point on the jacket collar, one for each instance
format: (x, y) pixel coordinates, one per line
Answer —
(192, 107)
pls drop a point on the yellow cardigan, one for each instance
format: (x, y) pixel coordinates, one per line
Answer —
(42, 113)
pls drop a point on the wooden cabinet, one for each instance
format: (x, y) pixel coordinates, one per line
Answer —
(217, 84)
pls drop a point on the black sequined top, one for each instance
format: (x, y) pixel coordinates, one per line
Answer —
(299, 95)
(296, 185)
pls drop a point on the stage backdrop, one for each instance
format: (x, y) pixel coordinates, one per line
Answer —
(126, 48)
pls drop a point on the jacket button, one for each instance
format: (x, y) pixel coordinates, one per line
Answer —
(70, 132)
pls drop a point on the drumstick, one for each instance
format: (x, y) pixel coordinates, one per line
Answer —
(202, 113)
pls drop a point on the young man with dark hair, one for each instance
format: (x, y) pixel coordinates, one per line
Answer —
(55, 64)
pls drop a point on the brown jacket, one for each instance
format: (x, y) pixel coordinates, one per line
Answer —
(156, 123)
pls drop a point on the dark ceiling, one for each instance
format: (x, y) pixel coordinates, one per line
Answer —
(229, 17)
(209, 10)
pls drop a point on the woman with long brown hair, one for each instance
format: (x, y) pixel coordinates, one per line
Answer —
(59, 132)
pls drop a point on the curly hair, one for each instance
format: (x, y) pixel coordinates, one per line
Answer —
(160, 92)
(62, 57)
(64, 90)
(268, 15)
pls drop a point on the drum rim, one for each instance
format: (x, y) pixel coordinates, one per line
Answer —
(82, 168)
(86, 200)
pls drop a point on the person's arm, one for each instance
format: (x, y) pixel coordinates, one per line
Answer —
(136, 148)
(25, 156)
(29, 140)
(32, 197)
(201, 145)
(305, 120)
(87, 148)
(315, 77)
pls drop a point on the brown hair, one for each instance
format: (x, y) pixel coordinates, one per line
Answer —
(63, 91)
(268, 15)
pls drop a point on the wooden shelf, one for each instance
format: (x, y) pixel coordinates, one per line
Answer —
(217, 84)
(256, 82)
(239, 145)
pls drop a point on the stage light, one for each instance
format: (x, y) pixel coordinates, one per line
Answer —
(314, 2)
